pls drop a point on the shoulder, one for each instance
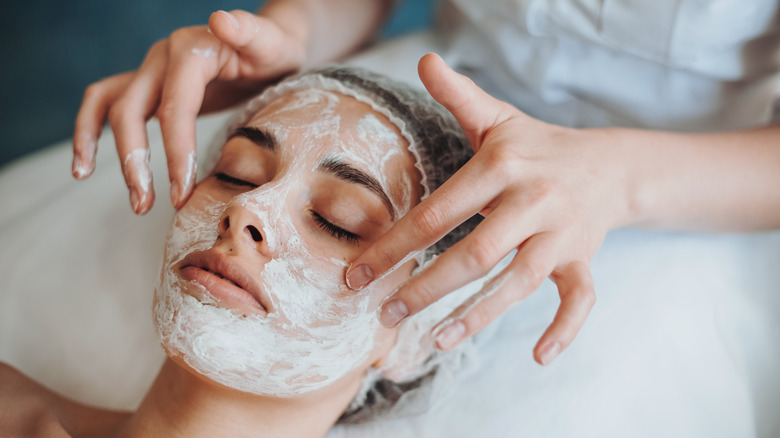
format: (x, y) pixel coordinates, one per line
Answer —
(27, 409)
(30, 410)
(13, 382)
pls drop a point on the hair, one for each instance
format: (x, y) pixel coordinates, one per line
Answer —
(416, 372)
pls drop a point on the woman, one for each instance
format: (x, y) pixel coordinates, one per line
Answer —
(264, 337)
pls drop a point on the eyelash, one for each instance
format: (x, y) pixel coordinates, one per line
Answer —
(233, 181)
(333, 230)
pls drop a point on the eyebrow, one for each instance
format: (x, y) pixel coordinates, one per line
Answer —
(261, 137)
(348, 173)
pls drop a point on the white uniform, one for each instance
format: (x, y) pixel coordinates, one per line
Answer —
(682, 341)
(666, 64)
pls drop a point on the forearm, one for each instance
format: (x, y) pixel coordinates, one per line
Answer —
(702, 182)
(330, 29)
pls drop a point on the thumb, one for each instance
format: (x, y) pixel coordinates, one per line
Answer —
(236, 29)
(474, 109)
(264, 47)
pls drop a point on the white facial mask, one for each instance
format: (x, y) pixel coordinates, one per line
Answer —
(319, 330)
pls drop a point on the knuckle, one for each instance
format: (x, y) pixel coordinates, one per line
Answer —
(179, 35)
(534, 272)
(540, 195)
(588, 296)
(182, 38)
(166, 111)
(501, 160)
(429, 222)
(419, 295)
(93, 91)
(482, 253)
(478, 318)
(383, 257)
(117, 112)
(158, 46)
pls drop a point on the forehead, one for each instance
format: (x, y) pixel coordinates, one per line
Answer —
(313, 124)
(322, 112)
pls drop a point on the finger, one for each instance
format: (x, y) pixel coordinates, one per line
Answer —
(98, 97)
(182, 97)
(471, 258)
(235, 29)
(575, 286)
(128, 116)
(425, 224)
(475, 110)
(274, 53)
(525, 273)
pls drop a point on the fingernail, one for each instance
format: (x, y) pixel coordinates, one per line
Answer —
(359, 276)
(175, 193)
(233, 19)
(88, 148)
(135, 200)
(451, 335)
(392, 313)
(79, 171)
(549, 352)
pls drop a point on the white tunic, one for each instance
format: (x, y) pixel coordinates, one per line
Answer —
(666, 64)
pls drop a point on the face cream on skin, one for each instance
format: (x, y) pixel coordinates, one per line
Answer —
(319, 329)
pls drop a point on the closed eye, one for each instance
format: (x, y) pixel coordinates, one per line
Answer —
(220, 176)
(335, 231)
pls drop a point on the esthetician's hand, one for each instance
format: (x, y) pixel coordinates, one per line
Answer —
(197, 69)
(549, 192)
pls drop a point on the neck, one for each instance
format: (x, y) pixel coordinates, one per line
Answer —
(179, 404)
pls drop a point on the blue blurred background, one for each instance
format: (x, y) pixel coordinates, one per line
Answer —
(54, 49)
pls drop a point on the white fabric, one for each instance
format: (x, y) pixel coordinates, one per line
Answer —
(683, 341)
(665, 64)
(78, 270)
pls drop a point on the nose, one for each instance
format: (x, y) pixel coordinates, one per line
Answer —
(240, 226)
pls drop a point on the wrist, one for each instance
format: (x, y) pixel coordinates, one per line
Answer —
(624, 185)
(650, 175)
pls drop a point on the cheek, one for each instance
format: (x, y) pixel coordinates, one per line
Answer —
(194, 226)
(307, 290)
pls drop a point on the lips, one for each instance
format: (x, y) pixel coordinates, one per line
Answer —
(225, 279)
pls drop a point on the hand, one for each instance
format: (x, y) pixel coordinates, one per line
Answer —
(197, 69)
(549, 192)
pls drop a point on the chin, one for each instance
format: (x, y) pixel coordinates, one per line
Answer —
(265, 356)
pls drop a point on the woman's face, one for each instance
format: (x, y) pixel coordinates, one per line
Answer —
(252, 292)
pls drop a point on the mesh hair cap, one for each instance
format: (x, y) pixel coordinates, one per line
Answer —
(416, 373)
